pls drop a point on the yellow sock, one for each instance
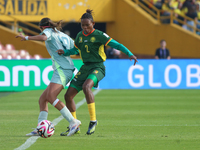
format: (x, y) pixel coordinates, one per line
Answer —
(74, 114)
(91, 109)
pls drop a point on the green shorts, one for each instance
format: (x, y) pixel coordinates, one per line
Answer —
(94, 71)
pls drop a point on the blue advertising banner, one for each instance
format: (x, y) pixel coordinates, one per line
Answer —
(20, 75)
(152, 74)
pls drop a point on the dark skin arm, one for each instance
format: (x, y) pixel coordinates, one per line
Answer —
(132, 57)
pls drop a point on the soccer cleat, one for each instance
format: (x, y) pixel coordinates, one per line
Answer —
(33, 133)
(78, 131)
(73, 127)
(92, 127)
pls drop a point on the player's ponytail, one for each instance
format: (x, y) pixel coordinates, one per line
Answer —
(54, 25)
(88, 15)
(47, 23)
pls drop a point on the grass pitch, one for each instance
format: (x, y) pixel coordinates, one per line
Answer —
(128, 120)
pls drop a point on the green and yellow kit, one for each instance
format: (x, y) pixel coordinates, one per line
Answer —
(91, 46)
(91, 49)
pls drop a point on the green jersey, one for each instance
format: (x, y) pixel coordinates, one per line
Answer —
(91, 45)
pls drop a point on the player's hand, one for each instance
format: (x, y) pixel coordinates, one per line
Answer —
(21, 36)
(135, 59)
(60, 52)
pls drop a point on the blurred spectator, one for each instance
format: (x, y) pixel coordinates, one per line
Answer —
(162, 52)
(168, 7)
(37, 56)
(4, 54)
(158, 3)
(1, 47)
(112, 53)
(20, 30)
(14, 55)
(9, 52)
(198, 16)
(175, 6)
(191, 13)
(9, 57)
(24, 54)
(9, 48)
(166, 10)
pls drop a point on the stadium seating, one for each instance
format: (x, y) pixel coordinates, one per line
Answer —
(9, 52)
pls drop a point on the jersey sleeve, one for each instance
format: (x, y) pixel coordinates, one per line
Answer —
(47, 33)
(119, 46)
(71, 43)
(72, 51)
(104, 38)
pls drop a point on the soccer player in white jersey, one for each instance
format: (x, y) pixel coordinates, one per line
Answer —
(63, 70)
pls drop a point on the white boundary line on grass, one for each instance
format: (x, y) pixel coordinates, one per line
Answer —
(30, 141)
(166, 125)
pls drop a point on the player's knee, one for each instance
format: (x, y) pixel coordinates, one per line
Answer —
(50, 98)
(67, 97)
(41, 99)
(86, 88)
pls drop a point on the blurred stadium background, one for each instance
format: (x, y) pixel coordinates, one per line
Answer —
(137, 24)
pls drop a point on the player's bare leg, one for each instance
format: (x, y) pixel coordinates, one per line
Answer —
(69, 95)
(50, 95)
(87, 89)
(53, 91)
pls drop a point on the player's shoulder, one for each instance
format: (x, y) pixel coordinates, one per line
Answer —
(80, 33)
(63, 34)
(48, 30)
(101, 33)
(96, 31)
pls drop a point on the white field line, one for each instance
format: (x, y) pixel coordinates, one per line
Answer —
(166, 125)
(30, 141)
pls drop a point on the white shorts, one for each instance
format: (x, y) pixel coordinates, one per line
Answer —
(62, 76)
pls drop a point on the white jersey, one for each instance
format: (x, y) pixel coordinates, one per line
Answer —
(58, 40)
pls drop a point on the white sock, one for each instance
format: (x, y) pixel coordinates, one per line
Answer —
(66, 114)
(42, 116)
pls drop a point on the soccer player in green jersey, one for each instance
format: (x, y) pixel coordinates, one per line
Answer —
(89, 43)
(63, 71)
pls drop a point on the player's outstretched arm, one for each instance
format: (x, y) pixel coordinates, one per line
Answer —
(118, 46)
(68, 52)
(132, 57)
(35, 38)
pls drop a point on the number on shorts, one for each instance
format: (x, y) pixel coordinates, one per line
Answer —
(76, 76)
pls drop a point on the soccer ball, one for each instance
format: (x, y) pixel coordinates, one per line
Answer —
(45, 128)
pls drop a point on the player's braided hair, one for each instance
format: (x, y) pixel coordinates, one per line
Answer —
(46, 22)
(88, 15)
